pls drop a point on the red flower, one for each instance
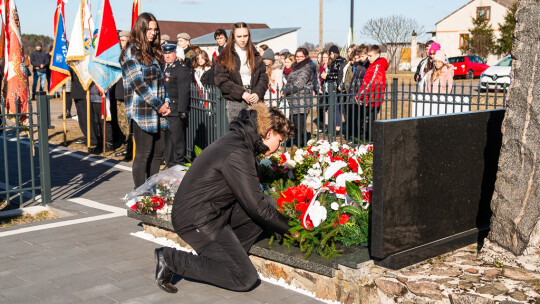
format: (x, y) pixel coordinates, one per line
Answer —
(158, 202)
(344, 218)
(309, 223)
(300, 193)
(353, 164)
(301, 207)
(309, 150)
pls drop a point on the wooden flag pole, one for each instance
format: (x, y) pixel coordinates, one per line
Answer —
(104, 118)
(64, 124)
(87, 118)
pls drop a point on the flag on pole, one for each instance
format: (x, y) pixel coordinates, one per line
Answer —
(17, 79)
(59, 67)
(104, 65)
(2, 28)
(135, 12)
(80, 46)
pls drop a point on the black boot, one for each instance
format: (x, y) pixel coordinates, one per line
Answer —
(163, 273)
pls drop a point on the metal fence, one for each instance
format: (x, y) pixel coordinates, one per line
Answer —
(19, 183)
(342, 115)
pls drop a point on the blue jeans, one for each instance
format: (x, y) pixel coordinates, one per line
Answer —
(42, 77)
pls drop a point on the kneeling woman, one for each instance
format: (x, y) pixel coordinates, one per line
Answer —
(220, 209)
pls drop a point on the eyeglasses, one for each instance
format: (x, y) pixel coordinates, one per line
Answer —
(153, 30)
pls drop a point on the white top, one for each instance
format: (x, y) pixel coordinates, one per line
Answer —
(245, 72)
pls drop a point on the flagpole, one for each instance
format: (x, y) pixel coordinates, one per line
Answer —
(88, 135)
(64, 113)
(103, 117)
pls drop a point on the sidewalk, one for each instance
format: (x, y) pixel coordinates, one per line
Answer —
(90, 256)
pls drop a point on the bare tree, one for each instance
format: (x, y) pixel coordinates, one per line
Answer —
(393, 32)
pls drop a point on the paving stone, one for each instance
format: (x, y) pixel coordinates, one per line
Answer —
(518, 295)
(99, 300)
(517, 274)
(128, 294)
(96, 291)
(390, 287)
(465, 285)
(425, 289)
(492, 289)
(472, 270)
(463, 298)
(445, 272)
(470, 278)
(491, 274)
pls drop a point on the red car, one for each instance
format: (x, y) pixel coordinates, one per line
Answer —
(469, 66)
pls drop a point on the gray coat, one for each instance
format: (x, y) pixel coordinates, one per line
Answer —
(299, 86)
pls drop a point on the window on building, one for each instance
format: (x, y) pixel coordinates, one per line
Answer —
(483, 12)
(463, 42)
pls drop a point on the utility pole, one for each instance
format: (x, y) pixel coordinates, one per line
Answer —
(320, 25)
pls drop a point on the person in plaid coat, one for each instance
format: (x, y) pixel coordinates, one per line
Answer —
(146, 100)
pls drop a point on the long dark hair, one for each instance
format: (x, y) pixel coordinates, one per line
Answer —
(226, 57)
(204, 54)
(146, 51)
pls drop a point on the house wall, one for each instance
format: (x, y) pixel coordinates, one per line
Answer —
(288, 41)
(449, 30)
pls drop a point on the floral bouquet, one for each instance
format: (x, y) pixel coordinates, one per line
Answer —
(156, 195)
(326, 195)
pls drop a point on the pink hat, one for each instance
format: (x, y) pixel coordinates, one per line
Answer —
(440, 55)
(434, 48)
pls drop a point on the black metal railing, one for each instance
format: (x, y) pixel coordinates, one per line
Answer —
(346, 116)
(19, 183)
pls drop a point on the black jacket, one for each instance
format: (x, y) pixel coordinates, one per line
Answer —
(221, 177)
(37, 58)
(77, 90)
(177, 83)
(334, 70)
(360, 69)
(231, 85)
(119, 90)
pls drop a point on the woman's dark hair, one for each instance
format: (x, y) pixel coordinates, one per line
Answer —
(226, 57)
(146, 51)
(204, 54)
(303, 50)
(263, 47)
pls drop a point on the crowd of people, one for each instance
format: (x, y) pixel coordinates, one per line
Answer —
(220, 209)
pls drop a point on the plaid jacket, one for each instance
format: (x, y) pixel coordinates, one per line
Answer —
(144, 92)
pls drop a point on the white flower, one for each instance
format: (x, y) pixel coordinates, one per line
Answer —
(362, 150)
(290, 164)
(298, 157)
(324, 149)
(311, 142)
(347, 177)
(345, 146)
(333, 168)
(334, 206)
(316, 166)
(325, 159)
(287, 155)
(266, 162)
(314, 172)
(317, 213)
(335, 146)
(312, 182)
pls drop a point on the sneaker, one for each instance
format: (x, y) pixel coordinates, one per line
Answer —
(75, 117)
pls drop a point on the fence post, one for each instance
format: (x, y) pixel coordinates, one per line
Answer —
(331, 111)
(394, 99)
(43, 134)
(222, 113)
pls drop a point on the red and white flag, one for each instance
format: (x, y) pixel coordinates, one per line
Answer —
(17, 80)
(135, 12)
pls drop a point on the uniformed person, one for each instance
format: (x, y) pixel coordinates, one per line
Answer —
(177, 83)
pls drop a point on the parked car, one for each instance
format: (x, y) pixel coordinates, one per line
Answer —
(497, 76)
(469, 66)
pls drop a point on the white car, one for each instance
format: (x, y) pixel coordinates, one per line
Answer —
(497, 76)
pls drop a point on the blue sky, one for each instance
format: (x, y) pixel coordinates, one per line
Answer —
(36, 15)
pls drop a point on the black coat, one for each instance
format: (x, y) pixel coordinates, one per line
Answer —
(231, 85)
(177, 83)
(223, 176)
(77, 90)
(119, 90)
(360, 69)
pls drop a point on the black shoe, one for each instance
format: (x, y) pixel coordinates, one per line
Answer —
(80, 141)
(109, 147)
(95, 150)
(163, 273)
(68, 115)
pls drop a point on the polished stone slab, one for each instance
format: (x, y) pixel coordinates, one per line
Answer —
(433, 181)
